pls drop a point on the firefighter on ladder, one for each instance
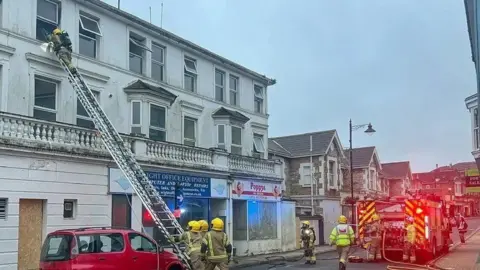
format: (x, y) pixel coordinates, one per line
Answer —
(373, 232)
(308, 242)
(62, 46)
(343, 237)
(217, 247)
(409, 240)
(193, 240)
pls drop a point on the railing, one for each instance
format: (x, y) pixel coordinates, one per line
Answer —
(179, 152)
(251, 164)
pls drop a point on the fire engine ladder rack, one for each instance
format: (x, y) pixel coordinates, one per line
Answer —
(127, 163)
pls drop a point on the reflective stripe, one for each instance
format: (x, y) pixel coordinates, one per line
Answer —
(210, 247)
(365, 213)
(418, 219)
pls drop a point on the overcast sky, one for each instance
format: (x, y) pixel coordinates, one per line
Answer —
(403, 65)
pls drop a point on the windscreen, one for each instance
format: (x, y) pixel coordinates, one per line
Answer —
(56, 248)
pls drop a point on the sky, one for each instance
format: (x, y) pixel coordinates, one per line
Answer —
(403, 65)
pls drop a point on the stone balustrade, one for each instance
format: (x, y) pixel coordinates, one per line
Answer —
(18, 130)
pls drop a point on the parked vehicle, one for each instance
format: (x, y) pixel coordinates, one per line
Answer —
(104, 248)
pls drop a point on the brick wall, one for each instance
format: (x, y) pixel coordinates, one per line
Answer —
(293, 181)
(358, 181)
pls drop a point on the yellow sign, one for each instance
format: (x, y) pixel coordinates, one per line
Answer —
(472, 189)
(472, 172)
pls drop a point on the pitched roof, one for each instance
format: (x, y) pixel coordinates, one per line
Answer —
(361, 156)
(140, 86)
(396, 169)
(222, 111)
(276, 148)
(299, 145)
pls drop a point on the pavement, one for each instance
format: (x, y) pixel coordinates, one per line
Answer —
(327, 257)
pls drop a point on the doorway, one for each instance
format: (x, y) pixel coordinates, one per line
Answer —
(30, 232)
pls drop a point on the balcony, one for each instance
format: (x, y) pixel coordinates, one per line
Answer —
(17, 131)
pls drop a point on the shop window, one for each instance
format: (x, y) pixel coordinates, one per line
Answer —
(240, 227)
(262, 220)
(121, 211)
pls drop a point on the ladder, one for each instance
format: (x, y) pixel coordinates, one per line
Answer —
(127, 163)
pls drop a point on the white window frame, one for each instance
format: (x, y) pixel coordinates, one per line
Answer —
(35, 107)
(187, 71)
(224, 74)
(224, 144)
(150, 119)
(154, 61)
(195, 123)
(231, 90)
(260, 136)
(331, 174)
(132, 125)
(303, 180)
(241, 138)
(132, 38)
(262, 98)
(92, 19)
(56, 12)
(78, 116)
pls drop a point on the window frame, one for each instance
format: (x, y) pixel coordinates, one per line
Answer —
(224, 76)
(161, 64)
(86, 118)
(257, 97)
(90, 18)
(241, 140)
(73, 210)
(261, 137)
(150, 119)
(224, 144)
(144, 237)
(195, 134)
(36, 107)
(235, 91)
(190, 72)
(304, 183)
(132, 125)
(134, 38)
(57, 6)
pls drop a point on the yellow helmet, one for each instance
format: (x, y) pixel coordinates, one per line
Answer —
(375, 217)
(57, 31)
(203, 225)
(195, 227)
(217, 224)
(190, 224)
(342, 219)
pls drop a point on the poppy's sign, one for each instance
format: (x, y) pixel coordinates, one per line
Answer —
(472, 181)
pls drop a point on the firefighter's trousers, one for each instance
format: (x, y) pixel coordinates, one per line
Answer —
(221, 264)
(409, 252)
(343, 254)
(196, 261)
(309, 253)
(374, 252)
(66, 56)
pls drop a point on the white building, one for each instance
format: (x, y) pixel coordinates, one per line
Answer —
(190, 115)
(471, 102)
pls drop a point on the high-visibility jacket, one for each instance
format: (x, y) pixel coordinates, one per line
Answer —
(342, 235)
(193, 240)
(217, 246)
(411, 233)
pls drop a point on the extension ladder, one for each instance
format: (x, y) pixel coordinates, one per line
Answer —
(127, 163)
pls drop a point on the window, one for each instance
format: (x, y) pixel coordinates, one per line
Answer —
(233, 84)
(69, 208)
(45, 105)
(141, 243)
(3, 208)
(100, 243)
(258, 146)
(372, 180)
(475, 115)
(48, 18)
(219, 85)
(258, 99)
(221, 136)
(306, 176)
(331, 170)
(262, 220)
(240, 226)
(121, 211)
(136, 116)
(189, 131)
(83, 119)
(236, 147)
(157, 129)
(476, 139)
(56, 248)
(137, 53)
(158, 62)
(89, 32)
(190, 74)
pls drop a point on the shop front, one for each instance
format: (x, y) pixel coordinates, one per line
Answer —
(198, 197)
(257, 216)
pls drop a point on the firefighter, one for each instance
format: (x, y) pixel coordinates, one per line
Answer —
(373, 231)
(409, 240)
(62, 46)
(343, 237)
(193, 241)
(308, 241)
(203, 227)
(217, 247)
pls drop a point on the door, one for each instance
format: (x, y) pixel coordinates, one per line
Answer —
(30, 233)
(144, 253)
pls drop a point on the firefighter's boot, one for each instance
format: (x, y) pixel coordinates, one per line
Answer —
(313, 262)
(307, 262)
(341, 266)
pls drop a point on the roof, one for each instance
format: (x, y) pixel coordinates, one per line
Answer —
(396, 169)
(299, 145)
(224, 112)
(362, 156)
(178, 40)
(140, 87)
(461, 167)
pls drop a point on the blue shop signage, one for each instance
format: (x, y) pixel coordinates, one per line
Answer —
(188, 185)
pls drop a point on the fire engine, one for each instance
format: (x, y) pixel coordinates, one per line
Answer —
(432, 228)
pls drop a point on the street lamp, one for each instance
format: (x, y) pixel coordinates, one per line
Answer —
(369, 131)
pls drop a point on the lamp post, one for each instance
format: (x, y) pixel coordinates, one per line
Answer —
(369, 131)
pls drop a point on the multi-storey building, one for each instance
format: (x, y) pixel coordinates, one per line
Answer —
(189, 115)
(399, 177)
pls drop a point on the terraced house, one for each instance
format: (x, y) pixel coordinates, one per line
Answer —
(189, 115)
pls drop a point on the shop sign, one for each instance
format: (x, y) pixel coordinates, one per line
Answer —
(254, 190)
(472, 182)
(165, 183)
(218, 188)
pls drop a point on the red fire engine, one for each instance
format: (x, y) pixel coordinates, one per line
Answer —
(432, 228)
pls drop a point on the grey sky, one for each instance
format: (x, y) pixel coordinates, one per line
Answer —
(403, 65)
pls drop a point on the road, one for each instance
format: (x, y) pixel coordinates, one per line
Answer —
(329, 261)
